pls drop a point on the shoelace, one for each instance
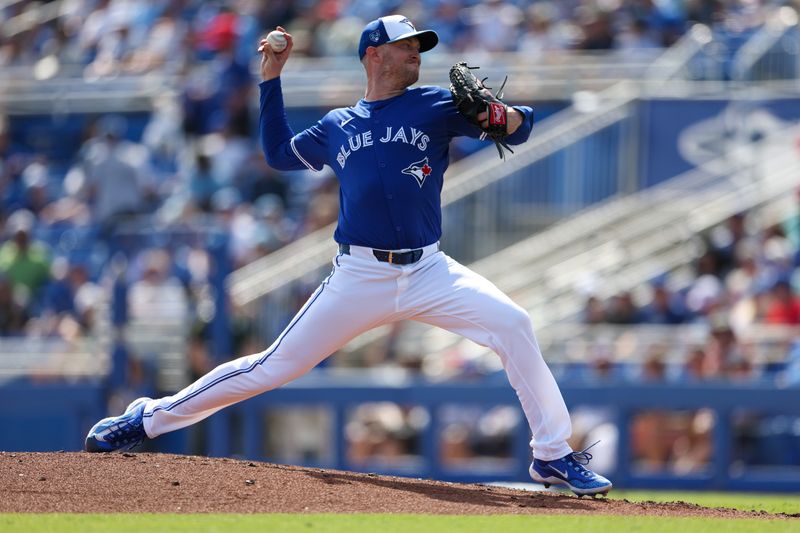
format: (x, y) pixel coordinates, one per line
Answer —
(583, 457)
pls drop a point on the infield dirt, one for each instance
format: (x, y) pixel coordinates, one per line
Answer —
(160, 483)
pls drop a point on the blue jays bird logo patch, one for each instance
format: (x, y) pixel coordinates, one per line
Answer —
(419, 170)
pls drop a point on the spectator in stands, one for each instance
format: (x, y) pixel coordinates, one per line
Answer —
(621, 309)
(742, 280)
(275, 228)
(246, 235)
(596, 28)
(322, 207)
(601, 365)
(35, 181)
(71, 206)
(227, 153)
(636, 40)
(70, 302)
(654, 369)
(724, 357)
(706, 292)
(594, 311)
(726, 240)
(123, 36)
(254, 179)
(201, 183)
(778, 253)
(13, 316)
(664, 308)
(494, 26)
(164, 135)
(157, 295)
(118, 173)
(694, 368)
(12, 165)
(163, 47)
(217, 99)
(447, 20)
(23, 260)
(783, 305)
(111, 52)
(543, 31)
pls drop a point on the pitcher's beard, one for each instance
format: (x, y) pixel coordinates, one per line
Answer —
(412, 77)
(403, 78)
(411, 73)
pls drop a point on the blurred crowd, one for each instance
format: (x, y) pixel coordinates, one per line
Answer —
(61, 224)
(195, 156)
(113, 36)
(746, 275)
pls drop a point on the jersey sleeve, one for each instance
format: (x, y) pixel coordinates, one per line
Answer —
(524, 130)
(457, 125)
(310, 146)
(282, 148)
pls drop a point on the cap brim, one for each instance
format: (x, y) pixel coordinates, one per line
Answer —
(427, 39)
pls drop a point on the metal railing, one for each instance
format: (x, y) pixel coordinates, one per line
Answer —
(36, 13)
(48, 358)
(78, 89)
(672, 345)
(551, 77)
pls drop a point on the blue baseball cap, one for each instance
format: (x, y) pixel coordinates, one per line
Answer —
(394, 28)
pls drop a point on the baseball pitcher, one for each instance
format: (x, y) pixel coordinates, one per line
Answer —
(389, 152)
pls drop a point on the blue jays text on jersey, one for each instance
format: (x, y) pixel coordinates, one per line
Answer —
(389, 156)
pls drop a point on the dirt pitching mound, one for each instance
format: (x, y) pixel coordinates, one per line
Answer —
(160, 483)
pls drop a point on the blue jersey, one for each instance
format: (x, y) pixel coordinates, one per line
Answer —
(389, 156)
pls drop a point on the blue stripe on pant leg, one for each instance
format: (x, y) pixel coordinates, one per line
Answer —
(254, 365)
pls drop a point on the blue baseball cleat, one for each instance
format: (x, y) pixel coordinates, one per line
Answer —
(570, 471)
(119, 433)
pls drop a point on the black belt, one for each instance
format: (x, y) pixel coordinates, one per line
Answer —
(395, 258)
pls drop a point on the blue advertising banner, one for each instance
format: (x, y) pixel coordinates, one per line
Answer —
(682, 134)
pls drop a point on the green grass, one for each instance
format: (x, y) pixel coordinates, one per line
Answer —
(380, 523)
(771, 503)
(330, 523)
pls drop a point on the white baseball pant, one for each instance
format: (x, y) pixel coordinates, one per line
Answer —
(362, 293)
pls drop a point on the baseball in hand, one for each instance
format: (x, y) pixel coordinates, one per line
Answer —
(277, 41)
